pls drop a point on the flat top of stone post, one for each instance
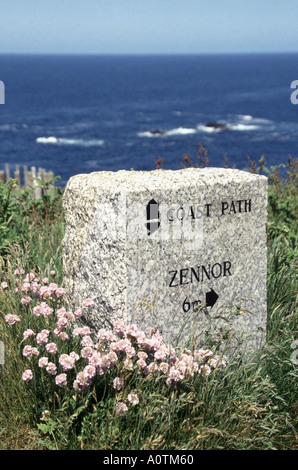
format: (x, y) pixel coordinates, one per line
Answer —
(162, 179)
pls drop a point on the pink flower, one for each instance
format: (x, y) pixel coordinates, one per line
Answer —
(28, 333)
(63, 336)
(130, 351)
(87, 351)
(142, 355)
(27, 375)
(163, 367)
(26, 300)
(46, 309)
(45, 332)
(60, 292)
(62, 323)
(119, 328)
(42, 338)
(95, 360)
(51, 368)
(161, 353)
(81, 382)
(105, 335)
(61, 380)
(201, 354)
(70, 316)
(174, 376)
(45, 280)
(133, 398)
(120, 345)
(27, 351)
(128, 363)
(52, 273)
(37, 310)
(34, 287)
(78, 313)
(51, 348)
(19, 271)
(35, 352)
(61, 312)
(26, 286)
(86, 341)
(217, 361)
(141, 363)
(84, 331)
(121, 408)
(12, 319)
(205, 370)
(44, 292)
(118, 383)
(132, 330)
(76, 332)
(53, 286)
(87, 303)
(112, 358)
(67, 361)
(74, 355)
(4, 285)
(153, 367)
(89, 372)
(43, 362)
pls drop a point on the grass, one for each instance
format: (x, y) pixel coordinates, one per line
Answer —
(246, 406)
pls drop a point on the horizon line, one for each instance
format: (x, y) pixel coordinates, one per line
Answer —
(146, 53)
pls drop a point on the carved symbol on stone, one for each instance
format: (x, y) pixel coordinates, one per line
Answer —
(211, 298)
(152, 211)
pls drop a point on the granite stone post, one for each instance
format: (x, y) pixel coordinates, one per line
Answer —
(182, 251)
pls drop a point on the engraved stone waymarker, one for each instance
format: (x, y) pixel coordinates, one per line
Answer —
(174, 250)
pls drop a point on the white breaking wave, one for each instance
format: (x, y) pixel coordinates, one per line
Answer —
(208, 129)
(229, 127)
(254, 120)
(245, 117)
(150, 134)
(177, 131)
(181, 131)
(243, 127)
(62, 141)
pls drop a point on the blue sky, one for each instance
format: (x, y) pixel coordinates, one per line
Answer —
(150, 27)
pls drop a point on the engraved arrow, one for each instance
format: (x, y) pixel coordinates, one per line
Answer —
(211, 298)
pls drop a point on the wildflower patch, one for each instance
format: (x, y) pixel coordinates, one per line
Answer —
(59, 353)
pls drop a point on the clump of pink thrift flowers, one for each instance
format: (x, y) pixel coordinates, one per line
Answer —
(94, 354)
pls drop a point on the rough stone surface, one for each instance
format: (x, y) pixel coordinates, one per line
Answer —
(205, 251)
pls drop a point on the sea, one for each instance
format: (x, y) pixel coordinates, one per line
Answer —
(74, 114)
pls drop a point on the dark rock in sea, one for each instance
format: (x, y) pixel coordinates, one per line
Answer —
(157, 132)
(218, 125)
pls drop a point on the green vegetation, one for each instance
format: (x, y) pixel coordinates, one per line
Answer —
(242, 406)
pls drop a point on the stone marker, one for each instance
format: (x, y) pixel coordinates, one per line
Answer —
(169, 249)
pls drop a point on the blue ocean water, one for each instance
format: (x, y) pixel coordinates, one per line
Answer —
(78, 114)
